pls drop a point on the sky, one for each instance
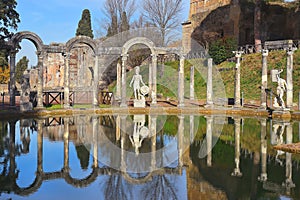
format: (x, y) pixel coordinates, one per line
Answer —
(57, 20)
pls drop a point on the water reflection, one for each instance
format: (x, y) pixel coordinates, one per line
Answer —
(148, 157)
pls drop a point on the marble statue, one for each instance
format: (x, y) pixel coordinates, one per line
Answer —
(281, 88)
(139, 92)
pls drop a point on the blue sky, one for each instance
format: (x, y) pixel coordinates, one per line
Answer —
(57, 20)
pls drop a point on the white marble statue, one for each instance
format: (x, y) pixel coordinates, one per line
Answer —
(281, 88)
(136, 80)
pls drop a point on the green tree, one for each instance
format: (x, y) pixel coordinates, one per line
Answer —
(9, 18)
(222, 49)
(84, 25)
(124, 25)
(21, 66)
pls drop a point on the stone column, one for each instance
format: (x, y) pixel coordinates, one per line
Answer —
(66, 145)
(263, 148)
(154, 82)
(209, 89)
(181, 82)
(40, 79)
(119, 75)
(12, 79)
(192, 83)
(123, 91)
(67, 81)
(96, 81)
(289, 164)
(289, 79)
(237, 132)
(209, 121)
(150, 78)
(39, 146)
(264, 79)
(180, 140)
(237, 80)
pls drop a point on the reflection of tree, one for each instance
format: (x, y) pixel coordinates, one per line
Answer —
(160, 188)
(83, 154)
(115, 188)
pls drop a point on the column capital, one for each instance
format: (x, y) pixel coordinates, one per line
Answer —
(124, 56)
(13, 52)
(238, 54)
(265, 52)
(290, 51)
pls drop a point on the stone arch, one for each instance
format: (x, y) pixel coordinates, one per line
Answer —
(34, 38)
(81, 39)
(138, 40)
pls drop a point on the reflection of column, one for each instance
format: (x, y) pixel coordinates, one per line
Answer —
(209, 121)
(95, 140)
(192, 129)
(180, 140)
(12, 149)
(150, 78)
(192, 83)
(154, 75)
(263, 148)
(96, 81)
(67, 81)
(66, 145)
(289, 79)
(181, 82)
(289, 165)
(40, 80)
(118, 128)
(237, 82)
(12, 79)
(119, 75)
(264, 79)
(153, 142)
(123, 91)
(237, 132)
(40, 146)
(209, 89)
(123, 138)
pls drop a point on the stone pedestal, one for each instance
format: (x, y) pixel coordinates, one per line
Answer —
(139, 103)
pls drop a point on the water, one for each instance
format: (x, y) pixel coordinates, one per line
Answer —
(148, 157)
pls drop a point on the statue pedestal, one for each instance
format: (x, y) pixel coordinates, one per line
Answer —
(139, 103)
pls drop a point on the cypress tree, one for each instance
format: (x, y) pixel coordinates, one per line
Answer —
(21, 66)
(124, 24)
(114, 25)
(84, 25)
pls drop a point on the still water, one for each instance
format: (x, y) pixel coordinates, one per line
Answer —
(148, 157)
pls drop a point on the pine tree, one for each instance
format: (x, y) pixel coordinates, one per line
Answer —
(84, 25)
(124, 25)
(21, 66)
(9, 18)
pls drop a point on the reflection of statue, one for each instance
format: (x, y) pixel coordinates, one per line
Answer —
(136, 79)
(278, 130)
(140, 132)
(281, 88)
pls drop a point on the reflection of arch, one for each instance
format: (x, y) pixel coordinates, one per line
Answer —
(32, 188)
(79, 183)
(34, 38)
(141, 180)
(138, 40)
(81, 39)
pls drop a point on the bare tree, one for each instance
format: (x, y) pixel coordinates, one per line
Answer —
(163, 14)
(114, 11)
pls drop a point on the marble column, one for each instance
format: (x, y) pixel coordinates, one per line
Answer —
(180, 140)
(67, 81)
(12, 79)
(119, 75)
(154, 79)
(66, 145)
(40, 79)
(237, 80)
(209, 84)
(237, 132)
(289, 164)
(181, 82)
(123, 91)
(192, 83)
(209, 121)
(96, 81)
(263, 148)
(264, 79)
(289, 79)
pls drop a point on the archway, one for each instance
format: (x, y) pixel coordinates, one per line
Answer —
(14, 45)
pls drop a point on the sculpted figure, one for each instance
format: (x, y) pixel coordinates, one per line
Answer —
(281, 88)
(136, 80)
